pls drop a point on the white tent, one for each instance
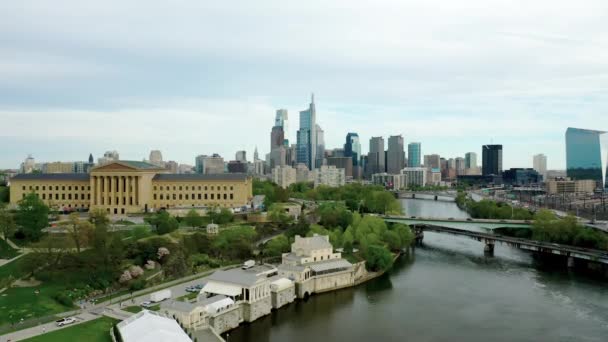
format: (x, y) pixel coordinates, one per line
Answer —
(150, 326)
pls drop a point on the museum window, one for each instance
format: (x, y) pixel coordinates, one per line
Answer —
(231, 196)
(154, 188)
(205, 188)
(56, 196)
(43, 196)
(161, 196)
(186, 196)
(43, 188)
(70, 188)
(205, 196)
(225, 197)
(69, 196)
(63, 187)
(62, 196)
(180, 188)
(199, 196)
(199, 188)
(231, 188)
(180, 196)
(211, 196)
(154, 196)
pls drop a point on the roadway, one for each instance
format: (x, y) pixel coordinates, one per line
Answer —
(112, 308)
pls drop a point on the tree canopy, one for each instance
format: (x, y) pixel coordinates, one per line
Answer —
(32, 216)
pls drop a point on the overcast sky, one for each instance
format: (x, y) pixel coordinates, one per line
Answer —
(198, 77)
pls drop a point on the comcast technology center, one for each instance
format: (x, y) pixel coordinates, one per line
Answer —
(587, 154)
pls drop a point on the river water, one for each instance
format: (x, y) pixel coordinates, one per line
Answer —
(447, 290)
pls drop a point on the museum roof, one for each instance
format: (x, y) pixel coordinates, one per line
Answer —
(199, 176)
(52, 176)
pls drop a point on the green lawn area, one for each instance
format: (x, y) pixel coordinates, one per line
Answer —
(22, 302)
(97, 330)
(13, 269)
(6, 251)
(133, 309)
(188, 297)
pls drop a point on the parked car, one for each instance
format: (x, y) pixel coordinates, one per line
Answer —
(160, 296)
(65, 321)
(469, 219)
(147, 304)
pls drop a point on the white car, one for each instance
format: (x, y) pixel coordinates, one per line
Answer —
(146, 304)
(65, 321)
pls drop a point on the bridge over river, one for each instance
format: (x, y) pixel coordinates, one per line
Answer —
(468, 223)
(490, 239)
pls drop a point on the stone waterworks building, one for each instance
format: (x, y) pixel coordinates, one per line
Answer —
(123, 187)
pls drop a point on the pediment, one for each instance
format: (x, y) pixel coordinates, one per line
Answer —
(114, 166)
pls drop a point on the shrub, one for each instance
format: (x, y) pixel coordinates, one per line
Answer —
(137, 285)
(64, 299)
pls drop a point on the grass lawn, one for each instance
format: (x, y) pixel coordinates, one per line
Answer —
(22, 302)
(133, 309)
(97, 330)
(13, 269)
(188, 297)
(6, 251)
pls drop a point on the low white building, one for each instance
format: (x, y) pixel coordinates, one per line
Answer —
(148, 326)
(329, 175)
(284, 176)
(213, 229)
(387, 180)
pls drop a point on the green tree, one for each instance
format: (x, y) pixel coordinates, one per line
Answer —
(78, 230)
(277, 246)
(99, 218)
(7, 223)
(392, 239)
(378, 258)
(193, 219)
(277, 214)
(221, 216)
(177, 265)
(405, 234)
(235, 243)
(32, 216)
(163, 222)
(4, 194)
(348, 240)
(334, 214)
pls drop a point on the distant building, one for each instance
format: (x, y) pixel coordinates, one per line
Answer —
(345, 163)
(375, 157)
(352, 148)
(307, 136)
(212, 229)
(414, 153)
(172, 166)
(587, 155)
(108, 157)
(237, 166)
(571, 186)
(241, 156)
(432, 161)
(156, 158)
(388, 181)
(433, 177)
(414, 176)
(320, 146)
(282, 120)
(209, 165)
(459, 164)
(284, 176)
(539, 162)
(303, 175)
(58, 167)
(395, 160)
(519, 176)
(28, 165)
(470, 160)
(491, 160)
(329, 176)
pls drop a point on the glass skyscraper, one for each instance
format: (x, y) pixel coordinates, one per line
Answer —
(586, 154)
(491, 160)
(307, 136)
(281, 120)
(413, 154)
(352, 148)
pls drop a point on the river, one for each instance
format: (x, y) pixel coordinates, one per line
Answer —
(447, 290)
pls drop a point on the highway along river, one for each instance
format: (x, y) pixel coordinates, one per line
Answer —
(448, 291)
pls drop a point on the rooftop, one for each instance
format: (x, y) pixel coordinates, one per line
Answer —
(52, 176)
(312, 243)
(199, 176)
(242, 277)
(151, 326)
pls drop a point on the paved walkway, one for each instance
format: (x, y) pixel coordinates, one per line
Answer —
(112, 308)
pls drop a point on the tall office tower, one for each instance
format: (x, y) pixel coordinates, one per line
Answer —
(491, 160)
(276, 137)
(240, 156)
(352, 148)
(539, 163)
(395, 160)
(282, 120)
(375, 157)
(320, 146)
(470, 160)
(459, 161)
(413, 154)
(587, 155)
(91, 160)
(432, 161)
(307, 136)
(156, 158)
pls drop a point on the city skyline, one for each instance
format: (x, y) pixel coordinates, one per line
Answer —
(186, 91)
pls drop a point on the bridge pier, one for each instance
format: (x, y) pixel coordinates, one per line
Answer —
(489, 248)
(419, 235)
(570, 262)
(436, 197)
(413, 195)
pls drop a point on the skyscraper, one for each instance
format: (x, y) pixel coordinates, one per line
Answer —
(460, 162)
(470, 160)
(413, 154)
(491, 160)
(320, 146)
(376, 161)
(241, 156)
(277, 136)
(307, 136)
(282, 120)
(395, 155)
(156, 158)
(352, 148)
(539, 163)
(432, 161)
(587, 155)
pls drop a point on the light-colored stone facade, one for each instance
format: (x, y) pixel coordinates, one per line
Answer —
(123, 187)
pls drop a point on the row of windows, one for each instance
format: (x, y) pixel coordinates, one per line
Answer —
(63, 187)
(194, 187)
(194, 196)
(63, 196)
